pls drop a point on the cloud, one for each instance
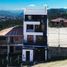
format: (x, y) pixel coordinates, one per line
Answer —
(32, 5)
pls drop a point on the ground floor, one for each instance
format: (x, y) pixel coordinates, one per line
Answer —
(38, 54)
(18, 54)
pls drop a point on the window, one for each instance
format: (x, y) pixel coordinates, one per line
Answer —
(38, 28)
(42, 21)
(32, 17)
(29, 17)
(30, 38)
(39, 39)
(37, 17)
(29, 27)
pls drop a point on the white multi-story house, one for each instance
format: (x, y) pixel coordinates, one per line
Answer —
(35, 35)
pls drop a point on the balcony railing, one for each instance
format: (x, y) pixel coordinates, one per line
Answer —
(35, 43)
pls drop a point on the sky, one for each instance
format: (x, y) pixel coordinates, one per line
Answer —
(20, 4)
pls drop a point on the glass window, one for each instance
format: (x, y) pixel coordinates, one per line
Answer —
(39, 39)
(30, 38)
(29, 17)
(35, 17)
(29, 26)
(38, 28)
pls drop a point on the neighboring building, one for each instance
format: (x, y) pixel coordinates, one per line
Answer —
(11, 40)
(59, 22)
(35, 35)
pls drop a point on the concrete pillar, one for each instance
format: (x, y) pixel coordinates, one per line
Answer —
(23, 55)
(8, 49)
(8, 40)
(24, 31)
(45, 55)
(31, 55)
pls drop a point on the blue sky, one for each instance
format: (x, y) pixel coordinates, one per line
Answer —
(19, 4)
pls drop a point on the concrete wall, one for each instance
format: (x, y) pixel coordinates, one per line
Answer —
(57, 53)
(57, 43)
(57, 36)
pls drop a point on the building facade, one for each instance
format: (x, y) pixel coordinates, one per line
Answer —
(35, 35)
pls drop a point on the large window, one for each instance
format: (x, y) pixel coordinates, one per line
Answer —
(36, 18)
(39, 39)
(38, 28)
(32, 17)
(30, 28)
(30, 38)
(28, 17)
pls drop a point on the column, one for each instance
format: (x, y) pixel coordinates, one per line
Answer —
(34, 37)
(31, 55)
(8, 40)
(23, 55)
(45, 54)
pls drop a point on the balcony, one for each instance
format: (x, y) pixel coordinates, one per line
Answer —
(34, 44)
(38, 40)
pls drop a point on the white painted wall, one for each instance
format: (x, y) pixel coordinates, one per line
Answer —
(30, 33)
(31, 22)
(24, 54)
(31, 55)
(36, 11)
(57, 36)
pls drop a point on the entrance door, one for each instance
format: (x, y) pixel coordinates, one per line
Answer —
(27, 55)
